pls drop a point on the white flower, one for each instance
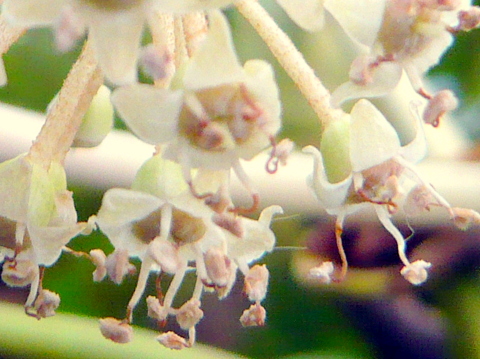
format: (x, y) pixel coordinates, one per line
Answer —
(219, 111)
(114, 27)
(381, 171)
(36, 199)
(410, 36)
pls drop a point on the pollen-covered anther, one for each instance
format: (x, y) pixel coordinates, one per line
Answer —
(468, 19)
(218, 267)
(153, 62)
(418, 200)
(155, 309)
(230, 222)
(463, 218)
(172, 340)
(118, 266)
(46, 303)
(361, 69)
(254, 316)
(189, 314)
(19, 272)
(322, 273)
(116, 330)
(416, 272)
(165, 254)
(68, 29)
(98, 258)
(442, 102)
(256, 283)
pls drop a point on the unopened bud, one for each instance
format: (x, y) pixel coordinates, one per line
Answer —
(441, 103)
(189, 314)
(416, 272)
(116, 330)
(46, 303)
(118, 266)
(172, 340)
(254, 316)
(98, 258)
(97, 122)
(256, 283)
(322, 273)
(463, 218)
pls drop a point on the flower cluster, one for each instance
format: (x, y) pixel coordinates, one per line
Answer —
(203, 114)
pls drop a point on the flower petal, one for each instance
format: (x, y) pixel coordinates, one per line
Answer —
(183, 6)
(151, 113)
(215, 63)
(308, 14)
(47, 242)
(121, 206)
(30, 13)
(331, 196)
(373, 139)
(115, 37)
(362, 21)
(384, 79)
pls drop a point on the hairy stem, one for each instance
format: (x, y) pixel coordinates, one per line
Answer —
(290, 59)
(65, 117)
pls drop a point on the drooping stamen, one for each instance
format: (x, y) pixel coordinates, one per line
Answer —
(35, 288)
(247, 183)
(385, 220)
(341, 249)
(140, 287)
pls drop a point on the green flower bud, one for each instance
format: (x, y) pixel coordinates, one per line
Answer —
(160, 177)
(97, 122)
(335, 149)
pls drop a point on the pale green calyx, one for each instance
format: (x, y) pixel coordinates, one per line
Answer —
(97, 122)
(161, 178)
(335, 149)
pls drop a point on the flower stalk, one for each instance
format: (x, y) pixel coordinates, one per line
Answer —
(290, 59)
(64, 119)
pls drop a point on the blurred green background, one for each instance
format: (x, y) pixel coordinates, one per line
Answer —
(372, 315)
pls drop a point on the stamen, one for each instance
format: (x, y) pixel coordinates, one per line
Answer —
(341, 249)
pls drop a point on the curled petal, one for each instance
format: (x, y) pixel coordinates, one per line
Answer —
(382, 79)
(331, 195)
